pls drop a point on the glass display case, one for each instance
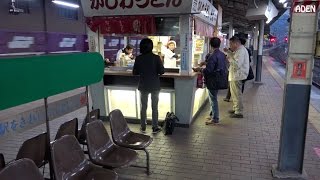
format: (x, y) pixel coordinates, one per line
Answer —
(128, 100)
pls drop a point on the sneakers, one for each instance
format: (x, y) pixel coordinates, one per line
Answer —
(156, 130)
(212, 122)
(236, 115)
(143, 130)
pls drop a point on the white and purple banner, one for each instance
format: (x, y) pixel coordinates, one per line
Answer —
(32, 43)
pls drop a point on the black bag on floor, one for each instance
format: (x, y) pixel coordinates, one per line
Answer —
(169, 123)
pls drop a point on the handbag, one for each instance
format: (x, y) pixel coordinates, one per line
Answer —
(200, 81)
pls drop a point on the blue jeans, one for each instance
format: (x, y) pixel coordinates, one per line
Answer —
(214, 104)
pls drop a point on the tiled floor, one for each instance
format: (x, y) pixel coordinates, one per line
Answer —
(236, 149)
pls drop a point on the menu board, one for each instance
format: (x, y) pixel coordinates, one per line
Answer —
(199, 46)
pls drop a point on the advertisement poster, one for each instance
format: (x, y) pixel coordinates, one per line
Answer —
(199, 45)
(299, 70)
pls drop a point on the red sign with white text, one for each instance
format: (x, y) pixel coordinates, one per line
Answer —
(123, 25)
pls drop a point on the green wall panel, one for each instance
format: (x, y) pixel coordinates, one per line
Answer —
(27, 79)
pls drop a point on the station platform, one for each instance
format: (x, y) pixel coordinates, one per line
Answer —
(236, 149)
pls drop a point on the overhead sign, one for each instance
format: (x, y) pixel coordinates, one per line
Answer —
(306, 7)
(134, 7)
(203, 8)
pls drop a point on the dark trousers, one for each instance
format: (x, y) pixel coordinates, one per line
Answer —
(144, 105)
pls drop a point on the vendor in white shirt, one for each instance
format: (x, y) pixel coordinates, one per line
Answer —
(170, 58)
(127, 51)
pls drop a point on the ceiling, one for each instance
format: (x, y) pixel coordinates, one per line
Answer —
(235, 11)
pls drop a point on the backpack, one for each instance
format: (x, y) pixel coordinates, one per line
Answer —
(250, 75)
(169, 123)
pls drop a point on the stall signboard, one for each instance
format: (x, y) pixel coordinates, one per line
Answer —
(203, 8)
(134, 7)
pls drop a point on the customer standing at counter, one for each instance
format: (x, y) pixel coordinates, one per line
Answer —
(127, 51)
(149, 67)
(170, 57)
(216, 63)
(238, 71)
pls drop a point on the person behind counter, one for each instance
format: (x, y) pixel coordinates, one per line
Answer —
(149, 67)
(127, 51)
(170, 58)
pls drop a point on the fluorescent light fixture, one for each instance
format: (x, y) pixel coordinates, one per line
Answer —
(282, 1)
(285, 5)
(67, 4)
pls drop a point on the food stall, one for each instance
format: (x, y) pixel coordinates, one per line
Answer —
(188, 23)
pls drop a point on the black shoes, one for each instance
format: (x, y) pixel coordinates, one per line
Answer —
(233, 115)
(212, 122)
(143, 130)
(231, 111)
(156, 130)
(236, 115)
(226, 100)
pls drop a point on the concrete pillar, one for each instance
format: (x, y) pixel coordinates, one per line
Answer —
(297, 94)
(186, 34)
(255, 43)
(97, 92)
(260, 50)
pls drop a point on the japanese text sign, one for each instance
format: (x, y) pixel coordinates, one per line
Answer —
(203, 8)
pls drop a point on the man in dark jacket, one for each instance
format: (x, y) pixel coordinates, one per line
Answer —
(217, 61)
(149, 67)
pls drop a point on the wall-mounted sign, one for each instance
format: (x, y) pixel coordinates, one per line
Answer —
(21, 42)
(67, 42)
(305, 7)
(299, 70)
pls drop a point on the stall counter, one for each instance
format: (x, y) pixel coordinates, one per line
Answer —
(178, 94)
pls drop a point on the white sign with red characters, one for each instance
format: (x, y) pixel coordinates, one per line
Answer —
(203, 8)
